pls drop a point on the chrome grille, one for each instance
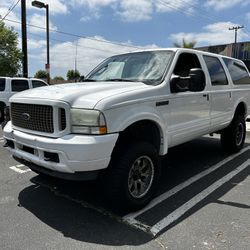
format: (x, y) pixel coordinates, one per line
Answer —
(33, 117)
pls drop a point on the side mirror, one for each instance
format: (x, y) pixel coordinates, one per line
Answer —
(197, 80)
(179, 84)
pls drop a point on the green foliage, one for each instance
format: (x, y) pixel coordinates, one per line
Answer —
(58, 78)
(73, 74)
(41, 74)
(10, 55)
(185, 44)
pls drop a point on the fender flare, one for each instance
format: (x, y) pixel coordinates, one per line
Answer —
(241, 100)
(140, 114)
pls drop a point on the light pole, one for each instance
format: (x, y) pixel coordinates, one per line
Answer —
(40, 5)
(24, 39)
(235, 28)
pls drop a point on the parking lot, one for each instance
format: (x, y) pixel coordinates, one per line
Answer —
(203, 203)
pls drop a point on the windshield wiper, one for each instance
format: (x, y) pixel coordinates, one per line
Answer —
(88, 80)
(118, 80)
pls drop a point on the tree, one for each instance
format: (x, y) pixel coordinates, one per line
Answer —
(41, 74)
(58, 78)
(73, 74)
(10, 55)
(185, 44)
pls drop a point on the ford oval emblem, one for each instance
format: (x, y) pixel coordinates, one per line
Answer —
(26, 116)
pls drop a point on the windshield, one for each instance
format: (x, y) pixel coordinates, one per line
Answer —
(147, 67)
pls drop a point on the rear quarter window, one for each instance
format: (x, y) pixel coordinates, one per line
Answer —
(2, 84)
(237, 71)
(19, 85)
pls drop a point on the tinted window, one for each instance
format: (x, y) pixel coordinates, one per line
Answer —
(36, 84)
(2, 84)
(237, 71)
(186, 61)
(19, 85)
(216, 71)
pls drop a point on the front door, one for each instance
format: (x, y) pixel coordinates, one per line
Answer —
(190, 111)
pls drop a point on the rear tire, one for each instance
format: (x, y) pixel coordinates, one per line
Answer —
(233, 137)
(133, 175)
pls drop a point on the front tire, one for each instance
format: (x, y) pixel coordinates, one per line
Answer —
(233, 137)
(133, 176)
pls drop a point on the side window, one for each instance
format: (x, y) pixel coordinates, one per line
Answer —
(2, 84)
(36, 84)
(237, 71)
(19, 85)
(186, 61)
(181, 81)
(216, 71)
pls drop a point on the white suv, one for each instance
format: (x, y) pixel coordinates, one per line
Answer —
(127, 113)
(11, 85)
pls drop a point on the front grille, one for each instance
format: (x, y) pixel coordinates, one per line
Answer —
(33, 117)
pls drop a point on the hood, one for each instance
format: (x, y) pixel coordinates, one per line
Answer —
(85, 94)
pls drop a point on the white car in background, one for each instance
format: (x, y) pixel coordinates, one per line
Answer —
(12, 85)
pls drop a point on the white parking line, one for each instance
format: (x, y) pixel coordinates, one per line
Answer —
(130, 218)
(247, 126)
(17, 168)
(195, 200)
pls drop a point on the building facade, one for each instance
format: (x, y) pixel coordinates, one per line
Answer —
(240, 51)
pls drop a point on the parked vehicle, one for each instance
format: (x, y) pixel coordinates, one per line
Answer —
(10, 86)
(127, 113)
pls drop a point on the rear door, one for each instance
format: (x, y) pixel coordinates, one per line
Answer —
(221, 95)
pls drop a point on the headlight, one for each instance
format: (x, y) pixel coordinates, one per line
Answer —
(86, 121)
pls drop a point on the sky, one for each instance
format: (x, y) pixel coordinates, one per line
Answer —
(85, 32)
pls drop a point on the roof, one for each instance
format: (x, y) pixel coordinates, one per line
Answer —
(184, 50)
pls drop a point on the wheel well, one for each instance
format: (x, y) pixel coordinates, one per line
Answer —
(240, 110)
(140, 131)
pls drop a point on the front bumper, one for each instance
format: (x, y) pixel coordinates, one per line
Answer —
(68, 154)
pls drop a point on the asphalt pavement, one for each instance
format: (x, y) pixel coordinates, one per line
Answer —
(203, 202)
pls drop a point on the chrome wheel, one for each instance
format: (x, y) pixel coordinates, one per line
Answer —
(140, 177)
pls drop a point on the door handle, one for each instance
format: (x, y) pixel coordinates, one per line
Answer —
(162, 103)
(207, 96)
